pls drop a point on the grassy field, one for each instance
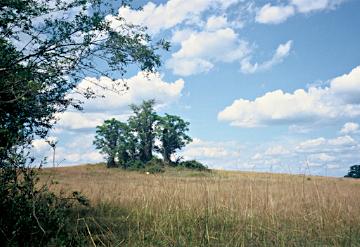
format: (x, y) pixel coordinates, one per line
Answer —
(218, 208)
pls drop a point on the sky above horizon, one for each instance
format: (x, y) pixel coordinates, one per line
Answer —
(270, 86)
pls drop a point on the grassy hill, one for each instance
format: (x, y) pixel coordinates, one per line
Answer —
(218, 208)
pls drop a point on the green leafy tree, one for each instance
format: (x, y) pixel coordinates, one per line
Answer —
(47, 47)
(109, 138)
(354, 172)
(143, 122)
(171, 131)
(127, 150)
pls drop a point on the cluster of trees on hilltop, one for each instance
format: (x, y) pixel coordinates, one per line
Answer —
(132, 144)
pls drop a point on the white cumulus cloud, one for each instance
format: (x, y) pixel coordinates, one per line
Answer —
(274, 14)
(305, 6)
(322, 157)
(281, 53)
(200, 50)
(170, 14)
(140, 87)
(213, 154)
(164, 16)
(276, 150)
(349, 127)
(302, 106)
(114, 104)
(216, 22)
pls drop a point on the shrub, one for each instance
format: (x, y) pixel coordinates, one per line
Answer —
(136, 165)
(193, 164)
(154, 169)
(155, 165)
(31, 215)
(155, 162)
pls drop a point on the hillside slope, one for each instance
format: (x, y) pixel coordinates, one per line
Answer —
(220, 208)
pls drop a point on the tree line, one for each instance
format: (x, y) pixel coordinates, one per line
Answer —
(134, 143)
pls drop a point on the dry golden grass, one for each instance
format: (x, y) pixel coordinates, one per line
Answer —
(187, 208)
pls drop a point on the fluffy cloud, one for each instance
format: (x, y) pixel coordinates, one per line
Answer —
(322, 157)
(200, 50)
(216, 22)
(170, 14)
(342, 141)
(312, 143)
(274, 14)
(347, 86)
(41, 145)
(349, 128)
(276, 150)
(164, 16)
(206, 34)
(305, 6)
(114, 103)
(213, 153)
(281, 53)
(302, 106)
(340, 145)
(77, 156)
(71, 120)
(331, 156)
(140, 87)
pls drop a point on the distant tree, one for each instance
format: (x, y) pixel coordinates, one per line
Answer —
(354, 172)
(171, 131)
(107, 139)
(142, 122)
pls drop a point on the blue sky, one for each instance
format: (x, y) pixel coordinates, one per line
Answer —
(266, 85)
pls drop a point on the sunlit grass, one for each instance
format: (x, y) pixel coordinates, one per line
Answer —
(188, 208)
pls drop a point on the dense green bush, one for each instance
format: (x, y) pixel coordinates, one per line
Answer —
(193, 164)
(31, 215)
(156, 162)
(136, 165)
(154, 169)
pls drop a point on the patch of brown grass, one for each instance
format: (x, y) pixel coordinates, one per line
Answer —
(187, 208)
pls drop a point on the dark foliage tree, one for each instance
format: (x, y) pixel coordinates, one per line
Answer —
(128, 148)
(171, 131)
(46, 49)
(108, 137)
(142, 122)
(354, 172)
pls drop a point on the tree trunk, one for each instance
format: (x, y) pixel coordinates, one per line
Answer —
(111, 162)
(166, 157)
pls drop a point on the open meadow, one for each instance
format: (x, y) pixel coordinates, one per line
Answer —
(217, 208)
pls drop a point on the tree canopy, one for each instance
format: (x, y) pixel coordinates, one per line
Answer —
(47, 47)
(171, 132)
(354, 172)
(139, 135)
